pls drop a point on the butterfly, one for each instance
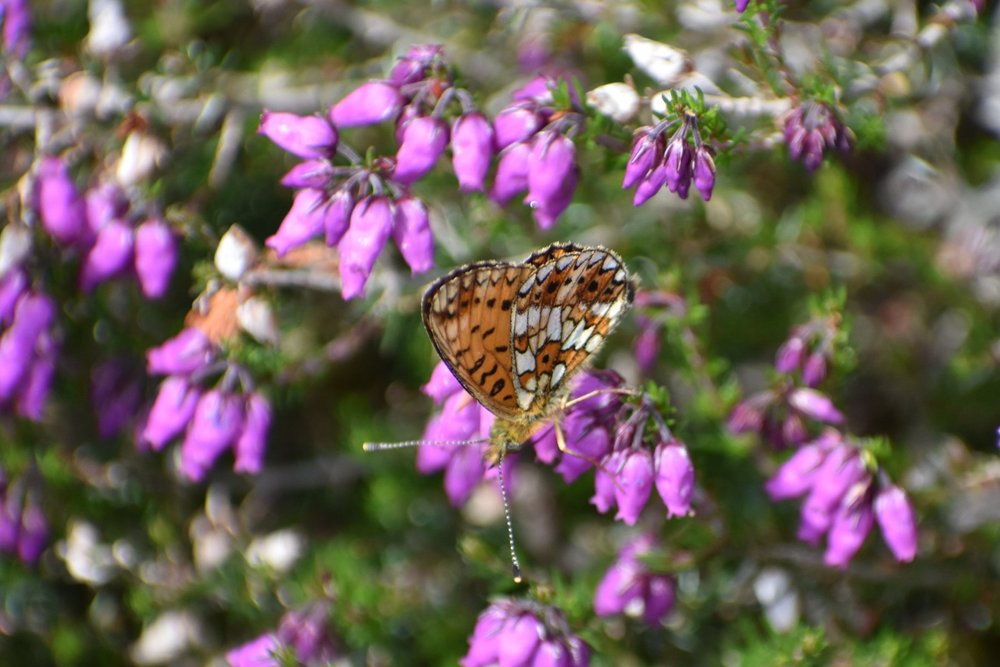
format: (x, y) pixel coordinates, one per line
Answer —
(515, 334)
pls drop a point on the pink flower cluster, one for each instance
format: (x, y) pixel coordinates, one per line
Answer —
(657, 161)
(536, 152)
(302, 632)
(843, 499)
(523, 633)
(812, 129)
(114, 239)
(808, 350)
(630, 587)
(27, 345)
(782, 415)
(24, 531)
(210, 420)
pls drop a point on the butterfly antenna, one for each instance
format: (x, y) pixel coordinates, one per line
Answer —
(510, 524)
(381, 446)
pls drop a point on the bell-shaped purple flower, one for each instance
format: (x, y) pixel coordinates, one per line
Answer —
(424, 139)
(635, 482)
(840, 470)
(34, 391)
(815, 405)
(797, 474)
(647, 146)
(515, 124)
(512, 173)
(674, 477)
(471, 151)
(185, 353)
(304, 220)
(252, 441)
(309, 174)
(547, 212)
(484, 644)
(677, 160)
(59, 204)
(110, 255)
(605, 488)
(704, 172)
(337, 217)
(369, 103)
(412, 233)
(441, 384)
(897, 522)
(33, 316)
(371, 225)
(155, 256)
(304, 136)
(13, 284)
(650, 185)
(553, 160)
(104, 202)
(217, 421)
(814, 369)
(521, 636)
(789, 355)
(259, 652)
(463, 473)
(851, 524)
(620, 586)
(412, 66)
(172, 410)
(589, 442)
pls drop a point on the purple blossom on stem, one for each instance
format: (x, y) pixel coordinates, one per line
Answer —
(424, 140)
(647, 148)
(110, 255)
(780, 415)
(215, 425)
(897, 521)
(522, 633)
(252, 440)
(629, 587)
(369, 103)
(370, 227)
(413, 66)
(304, 220)
(185, 353)
(412, 233)
(155, 256)
(810, 130)
(58, 202)
(808, 349)
(651, 165)
(259, 652)
(472, 150)
(304, 136)
(516, 123)
(27, 354)
(512, 173)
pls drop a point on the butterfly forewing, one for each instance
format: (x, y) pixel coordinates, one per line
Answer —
(468, 316)
(562, 316)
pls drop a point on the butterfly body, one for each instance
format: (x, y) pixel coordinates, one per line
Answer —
(514, 334)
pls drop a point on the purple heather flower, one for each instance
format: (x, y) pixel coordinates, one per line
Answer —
(512, 173)
(647, 343)
(217, 422)
(110, 255)
(412, 233)
(634, 484)
(155, 256)
(789, 355)
(59, 204)
(460, 419)
(309, 174)
(424, 139)
(797, 474)
(604, 482)
(16, 19)
(115, 395)
(185, 353)
(814, 369)
(552, 161)
(371, 225)
(471, 150)
(741, 5)
(337, 217)
(897, 522)
(104, 202)
(810, 130)
(13, 284)
(304, 136)
(851, 524)
(629, 587)
(369, 103)
(815, 405)
(650, 185)
(515, 124)
(252, 441)
(442, 383)
(547, 212)
(412, 66)
(19, 344)
(172, 410)
(677, 160)
(259, 652)
(704, 172)
(514, 633)
(674, 477)
(304, 220)
(590, 441)
(841, 469)
(34, 390)
(647, 146)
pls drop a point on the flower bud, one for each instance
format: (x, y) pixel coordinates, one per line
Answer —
(185, 353)
(552, 161)
(309, 174)
(897, 522)
(815, 405)
(217, 422)
(789, 355)
(514, 124)
(369, 103)
(172, 410)
(674, 478)
(155, 256)
(650, 185)
(412, 66)
(252, 441)
(371, 225)
(646, 149)
(704, 172)
(304, 136)
(635, 482)
(235, 253)
(512, 173)
(109, 256)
